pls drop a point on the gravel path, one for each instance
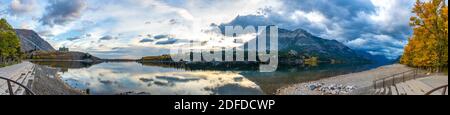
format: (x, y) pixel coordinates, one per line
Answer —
(14, 71)
(361, 81)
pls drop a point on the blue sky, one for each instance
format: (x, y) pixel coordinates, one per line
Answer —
(135, 28)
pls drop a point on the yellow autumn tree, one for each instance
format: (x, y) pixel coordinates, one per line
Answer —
(428, 46)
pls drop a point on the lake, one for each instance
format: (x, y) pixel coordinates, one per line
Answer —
(133, 78)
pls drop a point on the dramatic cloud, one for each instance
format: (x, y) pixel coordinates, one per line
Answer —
(378, 45)
(60, 12)
(344, 9)
(161, 36)
(132, 52)
(22, 6)
(173, 21)
(348, 21)
(145, 40)
(167, 42)
(45, 34)
(73, 38)
(108, 37)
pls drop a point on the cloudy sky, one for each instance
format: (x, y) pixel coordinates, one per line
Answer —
(135, 28)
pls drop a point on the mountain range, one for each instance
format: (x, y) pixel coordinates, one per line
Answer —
(298, 44)
(301, 44)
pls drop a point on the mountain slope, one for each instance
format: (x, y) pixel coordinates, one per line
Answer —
(31, 41)
(39, 49)
(299, 43)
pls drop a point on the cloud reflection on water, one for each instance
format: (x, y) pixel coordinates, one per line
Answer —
(117, 78)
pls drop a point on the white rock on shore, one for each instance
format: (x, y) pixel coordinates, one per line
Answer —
(331, 89)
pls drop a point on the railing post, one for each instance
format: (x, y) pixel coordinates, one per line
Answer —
(415, 73)
(445, 90)
(393, 81)
(403, 76)
(10, 88)
(375, 84)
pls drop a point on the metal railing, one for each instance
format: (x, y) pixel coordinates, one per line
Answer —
(10, 88)
(396, 78)
(444, 91)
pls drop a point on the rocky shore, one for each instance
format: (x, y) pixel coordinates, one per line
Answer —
(350, 84)
(332, 89)
(43, 80)
(48, 82)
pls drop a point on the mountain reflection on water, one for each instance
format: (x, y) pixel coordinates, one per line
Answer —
(132, 78)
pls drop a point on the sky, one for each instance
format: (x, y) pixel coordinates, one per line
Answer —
(136, 28)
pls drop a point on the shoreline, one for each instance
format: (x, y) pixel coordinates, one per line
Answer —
(48, 82)
(42, 80)
(359, 83)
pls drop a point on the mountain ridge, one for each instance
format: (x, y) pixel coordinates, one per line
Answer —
(39, 49)
(30, 41)
(257, 21)
(300, 44)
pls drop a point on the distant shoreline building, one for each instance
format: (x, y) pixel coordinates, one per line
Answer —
(63, 49)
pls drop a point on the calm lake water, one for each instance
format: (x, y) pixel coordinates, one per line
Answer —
(135, 78)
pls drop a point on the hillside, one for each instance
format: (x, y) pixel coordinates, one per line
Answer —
(299, 44)
(30, 41)
(37, 48)
(63, 56)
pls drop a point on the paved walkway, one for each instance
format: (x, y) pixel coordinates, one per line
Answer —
(419, 86)
(22, 73)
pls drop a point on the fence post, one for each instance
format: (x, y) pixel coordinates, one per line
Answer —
(393, 81)
(445, 90)
(403, 76)
(375, 84)
(10, 88)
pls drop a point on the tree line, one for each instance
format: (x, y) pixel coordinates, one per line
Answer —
(9, 44)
